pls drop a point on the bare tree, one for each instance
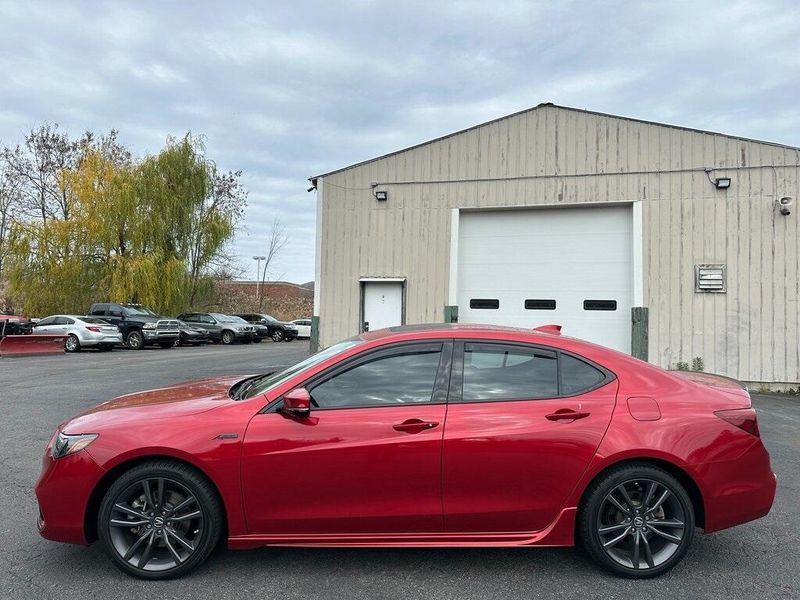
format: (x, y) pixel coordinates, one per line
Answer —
(9, 205)
(276, 241)
(38, 163)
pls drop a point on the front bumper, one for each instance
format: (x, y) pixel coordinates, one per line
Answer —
(155, 336)
(63, 491)
(737, 491)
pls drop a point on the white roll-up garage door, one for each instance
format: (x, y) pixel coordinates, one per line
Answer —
(571, 266)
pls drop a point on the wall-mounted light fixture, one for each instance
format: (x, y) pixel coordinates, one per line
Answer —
(785, 206)
(722, 183)
(381, 195)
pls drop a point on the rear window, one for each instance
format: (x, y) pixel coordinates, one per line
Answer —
(94, 321)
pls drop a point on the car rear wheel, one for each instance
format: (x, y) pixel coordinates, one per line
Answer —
(636, 520)
(135, 340)
(72, 344)
(277, 335)
(160, 520)
(227, 337)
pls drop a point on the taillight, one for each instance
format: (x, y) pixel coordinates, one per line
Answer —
(743, 418)
(93, 328)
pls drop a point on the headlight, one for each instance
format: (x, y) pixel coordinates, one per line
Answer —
(149, 326)
(69, 444)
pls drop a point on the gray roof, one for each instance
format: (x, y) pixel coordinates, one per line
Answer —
(545, 105)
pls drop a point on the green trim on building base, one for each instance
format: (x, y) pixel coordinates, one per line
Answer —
(639, 323)
(451, 314)
(314, 334)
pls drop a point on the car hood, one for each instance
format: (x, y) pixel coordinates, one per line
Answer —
(162, 403)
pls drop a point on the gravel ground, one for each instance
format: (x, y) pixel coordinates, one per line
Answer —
(758, 559)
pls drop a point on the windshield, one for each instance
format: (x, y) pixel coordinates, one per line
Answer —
(238, 320)
(139, 310)
(264, 383)
(272, 320)
(93, 321)
(225, 318)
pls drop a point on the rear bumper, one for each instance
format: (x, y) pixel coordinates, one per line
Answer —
(102, 340)
(737, 491)
(63, 491)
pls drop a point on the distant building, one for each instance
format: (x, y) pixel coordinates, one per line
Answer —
(667, 242)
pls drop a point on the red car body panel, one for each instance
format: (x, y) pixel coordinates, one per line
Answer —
(488, 474)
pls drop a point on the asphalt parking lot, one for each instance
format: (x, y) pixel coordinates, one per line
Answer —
(759, 559)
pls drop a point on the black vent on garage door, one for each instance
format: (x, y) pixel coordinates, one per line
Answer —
(487, 303)
(599, 305)
(539, 304)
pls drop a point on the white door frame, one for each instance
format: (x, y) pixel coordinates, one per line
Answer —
(636, 250)
(362, 280)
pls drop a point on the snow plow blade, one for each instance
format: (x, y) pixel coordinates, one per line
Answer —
(28, 345)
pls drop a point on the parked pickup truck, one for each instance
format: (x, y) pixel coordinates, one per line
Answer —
(139, 325)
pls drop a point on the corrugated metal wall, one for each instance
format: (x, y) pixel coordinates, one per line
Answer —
(568, 156)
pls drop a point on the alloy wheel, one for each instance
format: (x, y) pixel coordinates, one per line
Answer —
(641, 524)
(155, 524)
(71, 344)
(277, 335)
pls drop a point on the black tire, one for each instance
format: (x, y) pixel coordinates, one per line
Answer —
(227, 337)
(617, 540)
(277, 336)
(150, 542)
(72, 343)
(135, 340)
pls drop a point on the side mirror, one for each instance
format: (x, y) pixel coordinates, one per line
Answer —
(297, 403)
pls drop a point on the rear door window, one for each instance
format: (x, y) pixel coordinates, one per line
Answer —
(500, 372)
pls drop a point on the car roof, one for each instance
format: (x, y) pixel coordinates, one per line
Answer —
(457, 328)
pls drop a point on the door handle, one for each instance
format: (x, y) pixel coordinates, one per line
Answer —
(566, 414)
(414, 426)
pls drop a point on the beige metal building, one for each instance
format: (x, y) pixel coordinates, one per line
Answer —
(664, 241)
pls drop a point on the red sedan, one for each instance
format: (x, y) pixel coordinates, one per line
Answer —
(415, 436)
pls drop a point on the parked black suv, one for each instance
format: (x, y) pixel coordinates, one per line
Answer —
(139, 325)
(278, 330)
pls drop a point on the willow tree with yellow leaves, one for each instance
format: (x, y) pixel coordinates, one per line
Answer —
(146, 231)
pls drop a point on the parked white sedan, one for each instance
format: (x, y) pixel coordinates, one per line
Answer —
(303, 327)
(81, 332)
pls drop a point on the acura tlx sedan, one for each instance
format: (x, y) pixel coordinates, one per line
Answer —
(428, 435)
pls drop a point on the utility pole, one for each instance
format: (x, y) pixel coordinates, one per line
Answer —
(258, 260)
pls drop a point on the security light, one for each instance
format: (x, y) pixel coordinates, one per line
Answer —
(722, 183)
(382, 195)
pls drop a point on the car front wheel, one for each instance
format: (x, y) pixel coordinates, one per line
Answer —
(277, 335)
(135, 340)
(160, 520)
(227, 337)
(636, 521)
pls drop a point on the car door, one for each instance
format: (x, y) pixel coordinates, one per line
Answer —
(46, 325)
(63, 325)
(523, 423)
(366, 460)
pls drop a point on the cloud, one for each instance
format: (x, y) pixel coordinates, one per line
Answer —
(287, 90)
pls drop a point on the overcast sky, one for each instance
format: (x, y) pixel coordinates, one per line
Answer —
(286, 90)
